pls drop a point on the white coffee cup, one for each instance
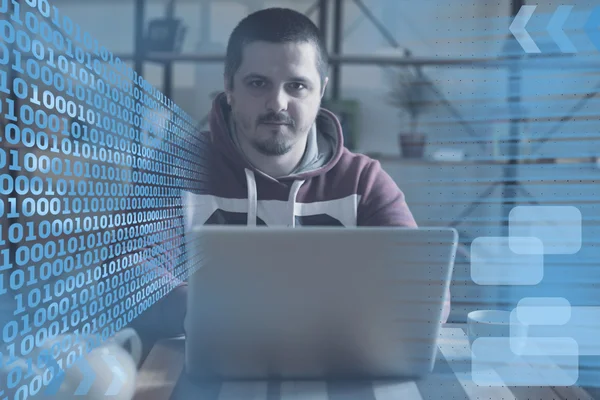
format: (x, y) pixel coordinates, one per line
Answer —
(496, 324)
(109, 361)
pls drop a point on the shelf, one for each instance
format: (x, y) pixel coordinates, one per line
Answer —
(543, 62)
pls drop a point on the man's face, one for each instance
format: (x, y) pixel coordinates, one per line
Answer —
(276, 95)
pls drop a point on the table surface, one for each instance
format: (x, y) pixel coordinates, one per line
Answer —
(161, 378)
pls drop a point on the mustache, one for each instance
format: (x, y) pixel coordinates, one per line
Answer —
(273, 118)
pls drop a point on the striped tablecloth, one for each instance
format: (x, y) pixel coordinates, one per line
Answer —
(161, 378)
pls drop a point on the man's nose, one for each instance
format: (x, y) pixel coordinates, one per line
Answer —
(277, 101)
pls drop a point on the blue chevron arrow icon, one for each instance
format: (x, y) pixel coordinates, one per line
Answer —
(555, 29)
(119, 375)
(592, 27)
(517, 28)
(88, 377)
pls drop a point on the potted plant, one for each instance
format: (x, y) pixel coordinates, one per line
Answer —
(413, 94)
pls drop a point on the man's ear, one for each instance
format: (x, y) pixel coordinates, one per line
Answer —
(325, 81)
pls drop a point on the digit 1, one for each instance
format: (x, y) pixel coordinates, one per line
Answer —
(17, 62)
(50, 60)
(2, 291)
(5, 257)
(15, 16)
(30, 371)
(14, 165)
(50, 190)
(31, 237)
(55, 16)
(10, 115)
(36, 97)
(13, 208)
(11, 354)
(3, 80)
(26, 326)
(20, 308)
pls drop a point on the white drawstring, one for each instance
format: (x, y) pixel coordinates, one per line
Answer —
(252, 197)
(292, 199)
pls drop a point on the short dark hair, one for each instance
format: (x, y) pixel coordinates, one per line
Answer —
(275, 25)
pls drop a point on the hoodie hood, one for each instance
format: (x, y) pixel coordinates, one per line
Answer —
(331, 187)
(324, 147)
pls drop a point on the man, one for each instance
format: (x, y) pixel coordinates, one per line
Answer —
(273, 156)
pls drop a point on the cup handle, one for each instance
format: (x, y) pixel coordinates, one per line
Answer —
(130, 335)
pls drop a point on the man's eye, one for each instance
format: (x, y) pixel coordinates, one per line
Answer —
(297, 86)
(257, 83)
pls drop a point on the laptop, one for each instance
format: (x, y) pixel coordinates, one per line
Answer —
(315, 302)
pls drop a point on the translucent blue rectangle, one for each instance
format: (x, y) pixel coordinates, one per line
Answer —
(544, 311)
(494, 364)
(494, 263)
(558, 227)
(583, 327)
(549, 346)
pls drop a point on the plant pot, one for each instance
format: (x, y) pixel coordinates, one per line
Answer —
(412, 145)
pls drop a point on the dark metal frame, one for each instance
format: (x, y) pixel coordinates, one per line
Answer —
(168, 67)
(138, 24)
(323, 6)
(336, 73)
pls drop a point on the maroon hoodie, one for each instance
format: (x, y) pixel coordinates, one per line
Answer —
(333, 187)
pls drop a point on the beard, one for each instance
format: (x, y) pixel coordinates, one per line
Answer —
(270, 134)
(277, 144)
(268, 140)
